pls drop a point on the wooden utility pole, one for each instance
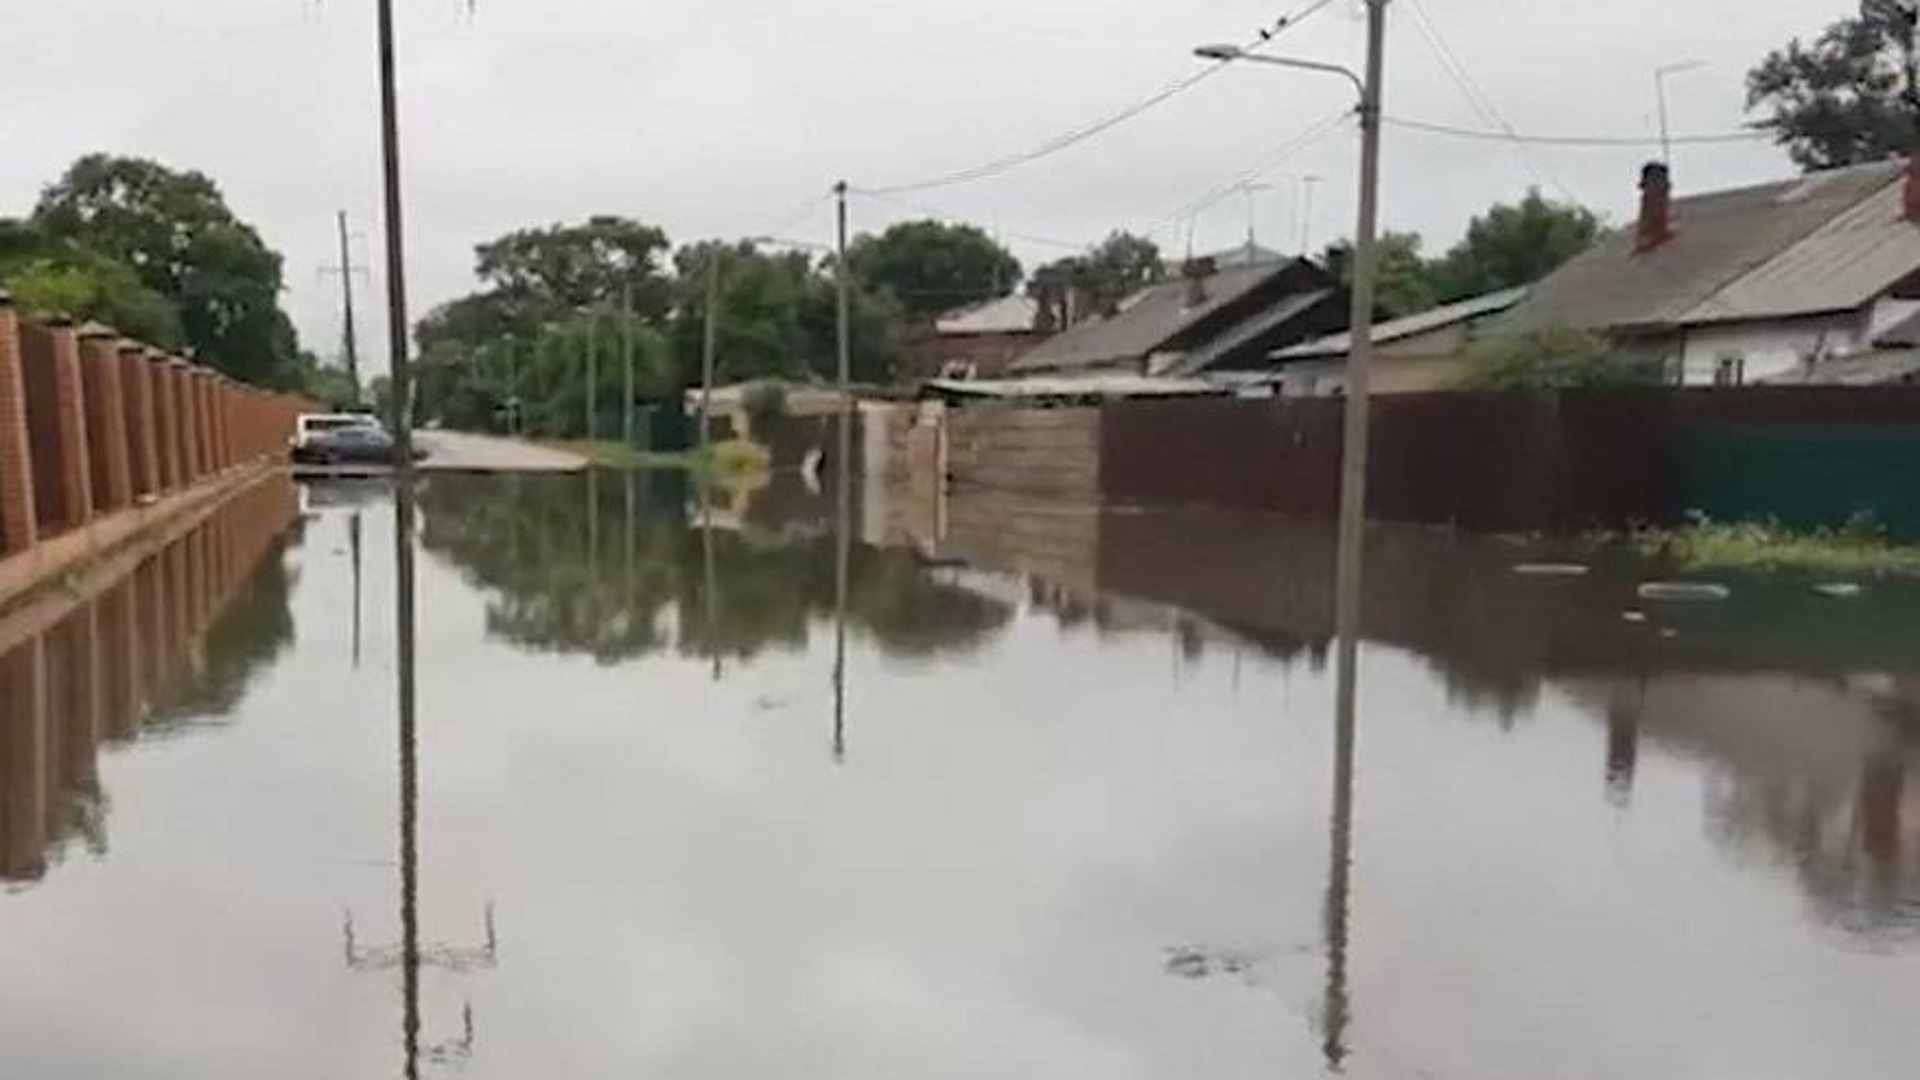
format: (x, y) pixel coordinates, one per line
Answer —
(843, 472)
(350, 339)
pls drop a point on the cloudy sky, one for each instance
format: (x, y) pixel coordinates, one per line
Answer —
(733, 117)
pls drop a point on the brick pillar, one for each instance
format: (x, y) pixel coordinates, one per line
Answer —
(18, 524)
(106, 418)
(143, 450)
(180, 379)
(56, 426)
(166, 414)
(203, 428)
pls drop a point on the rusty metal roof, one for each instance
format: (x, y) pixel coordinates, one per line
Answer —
(1828, 241)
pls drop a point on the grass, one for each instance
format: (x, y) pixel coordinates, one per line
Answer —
(1858, 550)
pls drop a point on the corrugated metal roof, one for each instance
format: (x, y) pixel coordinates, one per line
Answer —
(1288, 309)
(1436, 319)
(1075, 386)
(1845, 263)
(1147, 322)
(1720, 240)
(1003, 315)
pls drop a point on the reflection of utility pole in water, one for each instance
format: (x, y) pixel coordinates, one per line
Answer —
(1336, 1013)
(410, 955)
(842, 559)
(353, 546)
(712, 583)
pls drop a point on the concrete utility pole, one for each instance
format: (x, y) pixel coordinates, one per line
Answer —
(397, 330)
(351, 341)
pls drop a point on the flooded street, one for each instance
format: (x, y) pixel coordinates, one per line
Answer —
(1069, 803)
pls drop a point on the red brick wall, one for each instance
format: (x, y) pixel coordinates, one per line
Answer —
(106, 410)
(143, 451)
(18, 524)
(56, 431)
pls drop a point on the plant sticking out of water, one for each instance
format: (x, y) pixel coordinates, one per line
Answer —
(1859, 548)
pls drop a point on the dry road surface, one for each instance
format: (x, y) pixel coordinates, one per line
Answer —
(453, 451)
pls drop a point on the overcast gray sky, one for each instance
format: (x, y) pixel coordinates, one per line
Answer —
(721, 117)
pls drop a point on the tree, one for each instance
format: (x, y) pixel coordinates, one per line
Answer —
(1404, 282)
(1851, 96)
(1513, 244)
(50, 277)
(932, 267)
(1118, 267)
(541, 274)
(174, 231)
(1556, 358)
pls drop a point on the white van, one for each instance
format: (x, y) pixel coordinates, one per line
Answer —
(307, 425)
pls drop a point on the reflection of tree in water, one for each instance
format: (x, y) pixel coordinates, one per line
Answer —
(253, 631)
(574, 564)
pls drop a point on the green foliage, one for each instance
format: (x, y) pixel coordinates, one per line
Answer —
(1860, 548)
(1510, 244)
(1555, 359)
(1850, 96)
(541, 274)
(932, 267)
(175, 233)
(1514, 244)
(1120, 266)
(53, 277)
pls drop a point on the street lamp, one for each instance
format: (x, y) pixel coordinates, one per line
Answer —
(1353, 456)
(1660, 75)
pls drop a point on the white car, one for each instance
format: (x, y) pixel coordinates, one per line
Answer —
(307, 425)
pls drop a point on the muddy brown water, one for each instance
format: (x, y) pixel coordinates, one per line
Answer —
(1072, 808)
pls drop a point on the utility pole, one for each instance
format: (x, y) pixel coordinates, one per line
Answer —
(1660, 75)
(709, 348)
(626, 356)
(843, 472)
(397, 331)
(351, 341)
(1353, 455)
(1307, 184)
(1250, 188)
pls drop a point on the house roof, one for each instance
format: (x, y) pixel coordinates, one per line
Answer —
(1002, 315)
(1289, 308)
(1439, 318)
(1076, 386)
(1146, 322)
(1904, 334)
(1829, 241)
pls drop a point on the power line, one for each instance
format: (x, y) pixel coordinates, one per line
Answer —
(1477, 98)
(1280, 156)
(1454, 131)
(949, 215)
(1072, 138)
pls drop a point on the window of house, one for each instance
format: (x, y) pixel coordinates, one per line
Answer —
(1730, 370)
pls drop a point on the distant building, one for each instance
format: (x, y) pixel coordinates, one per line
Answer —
(1421, 352)
(1752, 284)
(1210, 320)
(976, 342)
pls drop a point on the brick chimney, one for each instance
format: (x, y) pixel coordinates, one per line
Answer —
(1656, 207)
(1197, 271)
(1910, 195)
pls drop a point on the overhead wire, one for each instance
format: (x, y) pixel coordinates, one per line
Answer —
(1280, 155)
(1455, 131)
(1477, 98)
(1076, 136)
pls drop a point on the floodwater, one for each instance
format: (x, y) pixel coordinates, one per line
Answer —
(1020, 792)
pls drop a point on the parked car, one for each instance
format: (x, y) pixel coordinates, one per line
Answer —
(354, 444)
(308, 425)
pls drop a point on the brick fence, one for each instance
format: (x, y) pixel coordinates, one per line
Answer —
(93, 426)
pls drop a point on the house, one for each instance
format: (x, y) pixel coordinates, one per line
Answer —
(1211, 320)
(1420, 352)
(978, 341)
(1751, 284)
(1894, 358)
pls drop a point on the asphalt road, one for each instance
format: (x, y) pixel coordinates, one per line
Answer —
(453, 451)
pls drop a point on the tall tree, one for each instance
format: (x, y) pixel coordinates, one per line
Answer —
(561, 268)
(1513, 244)
(175, 231)
(1404, 280)
(932, 267)
(1852, 95)
(1115, 269)
(53, 277)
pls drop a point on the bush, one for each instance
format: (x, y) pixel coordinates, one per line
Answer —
(765, 403)
(1557, 358)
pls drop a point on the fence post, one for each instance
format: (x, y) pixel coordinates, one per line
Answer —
(166, 415)
(70, 426)
(106, 417)
(18, 525)
(183, 420)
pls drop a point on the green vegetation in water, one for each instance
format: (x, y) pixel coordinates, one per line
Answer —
(614, 454)
(730, 463)
(734, 463)
(1861, 548)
